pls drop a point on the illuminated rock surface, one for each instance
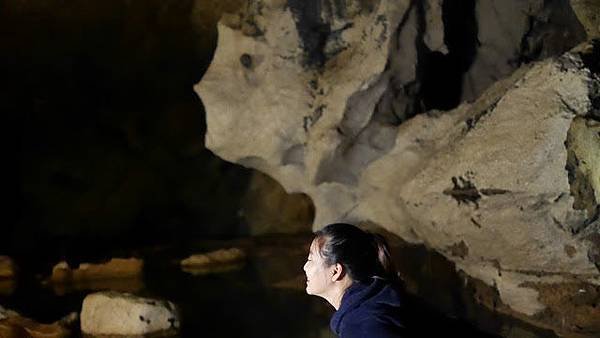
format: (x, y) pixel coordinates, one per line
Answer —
(12, 325)
(336, 113)
(111, 313)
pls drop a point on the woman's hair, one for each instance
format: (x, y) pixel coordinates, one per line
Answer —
(363, 254)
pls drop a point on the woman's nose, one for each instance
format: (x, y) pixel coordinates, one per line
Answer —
(304, 266)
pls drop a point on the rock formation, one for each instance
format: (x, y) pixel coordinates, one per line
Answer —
(268, 209)
(13, 325)
(222, 260)
(111, 313)
(117, 274)
(483, 147)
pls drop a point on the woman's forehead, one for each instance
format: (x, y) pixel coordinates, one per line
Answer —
(315, 246)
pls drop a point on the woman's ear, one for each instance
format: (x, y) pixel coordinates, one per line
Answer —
(337, 272)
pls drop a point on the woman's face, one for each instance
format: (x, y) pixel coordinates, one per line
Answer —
(318, 274)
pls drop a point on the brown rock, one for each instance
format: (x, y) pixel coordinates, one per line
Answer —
(115, 268)
(16, 326)
(7, 267)
(218, 261)
(588, 13)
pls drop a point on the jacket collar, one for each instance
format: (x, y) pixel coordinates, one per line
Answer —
(354, 296)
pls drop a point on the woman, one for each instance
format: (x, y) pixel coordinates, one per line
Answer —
(352, 270)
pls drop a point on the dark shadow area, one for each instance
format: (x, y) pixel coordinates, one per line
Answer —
(104, 133)
(442, 75)
(551, 32)
(454, 301)
(592, 59)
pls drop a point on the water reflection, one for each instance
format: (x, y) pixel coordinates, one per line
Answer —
(7, 287)
(207, 270)
(131, 285)
(261, 296)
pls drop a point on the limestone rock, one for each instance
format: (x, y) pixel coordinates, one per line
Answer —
(434, 26)
(110, 313)
(216, 257)
(115, 268)
(484, 184)
(222, 260)
(7, 267)
(583, 163)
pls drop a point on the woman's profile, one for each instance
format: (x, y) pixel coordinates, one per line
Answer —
(351, 269)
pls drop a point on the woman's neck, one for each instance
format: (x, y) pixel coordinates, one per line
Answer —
(337, 292)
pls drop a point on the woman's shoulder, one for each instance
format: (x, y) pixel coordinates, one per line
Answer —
(378, 315)
(373, 327)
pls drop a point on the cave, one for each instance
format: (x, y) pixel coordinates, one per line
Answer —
(177, 158)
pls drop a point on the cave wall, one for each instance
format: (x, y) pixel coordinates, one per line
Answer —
(469, 127)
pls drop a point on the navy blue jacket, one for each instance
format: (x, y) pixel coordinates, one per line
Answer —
(369, 311)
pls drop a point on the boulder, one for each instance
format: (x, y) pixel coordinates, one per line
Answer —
(111, 313)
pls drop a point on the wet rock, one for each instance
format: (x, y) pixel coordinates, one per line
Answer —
(12, 325)
(118, 274)
(215, 257)
(111, 313)
(7, 267)
(222, 260)
(113, 269)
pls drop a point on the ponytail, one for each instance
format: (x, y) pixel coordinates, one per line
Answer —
(384, 258)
